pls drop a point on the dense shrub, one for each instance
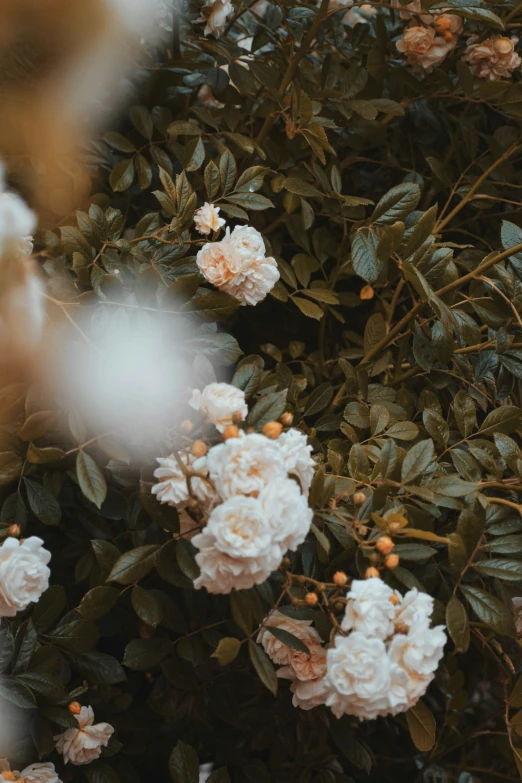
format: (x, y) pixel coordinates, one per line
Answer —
(377, 153)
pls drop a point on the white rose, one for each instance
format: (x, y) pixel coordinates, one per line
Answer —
(419, 652)
(414, 610)
(240, 527)
(296, 453)
(288, 513)
(207, 219)
(244, 465)
(248, 242)
(84, 744)
(40, 773)
(219, 262)
(24, 574)
(216, 14)
(219, 402)
(359, 673)
(255, 282)
(309, 693)
(302, 665)
(517, 605)
(221, 573)
(369, 608)
(172, 487)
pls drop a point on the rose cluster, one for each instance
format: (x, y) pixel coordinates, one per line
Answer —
(237, 264)
(380, 663)
(253, 489)
(35, 773)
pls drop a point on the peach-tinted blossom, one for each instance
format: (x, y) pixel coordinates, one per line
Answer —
(492, 59)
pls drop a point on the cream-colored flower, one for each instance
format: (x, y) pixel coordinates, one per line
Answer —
(84, 744)
(219, 262)
(40, 773)
(172, 487)
(359, 675)
(369, 609)
(360, 14)
(253, 284)
(517, 605)
(288, 513)
(24, 574)
(240, 528)
(308, 694)
(307, 668)
(221, 573)
(492, 59)
(418, 655)
(248, 242)
(215, 13)
(414, 610)
(221, 403)
(244, 465)
(207, 219)
(297, 453)
(424, 48)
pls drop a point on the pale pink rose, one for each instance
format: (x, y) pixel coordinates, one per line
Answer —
(40, 773)
(207, 219)
(294, 664)
(221, 573)
(219, 262)
(424, 48)
(492, 59)
(24, 574)
(84, 744)
(252, 286)
(308, 694)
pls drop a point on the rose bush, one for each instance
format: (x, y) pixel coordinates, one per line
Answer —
(311, 570)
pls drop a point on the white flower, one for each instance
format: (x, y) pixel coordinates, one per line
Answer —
(517, 605)
(369, 609)
(252, 286)
(295, 664)
(359, 675)
(219, 262)
(309, 693)
(172, 487)
(361, 14)
(240, 528)
(415, 610)
(215, 14)
(207, 219)
(297, 456)
(420, 651)
(17, 223)
(287, 512)
(84, 744)
(221, 573)
(220, 402)
(424, 48)
(248, 242)
(244, 465)
(40, 773)
(24, 574)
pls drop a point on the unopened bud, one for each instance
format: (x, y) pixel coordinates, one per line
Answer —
(391, 561)
(287, 419)
(237, 417)
(374, 558)
(14, 530)
(371, 573)
(442, 23)
(285, 562)
(187, 425)
(311, 599)
(367, 292)
(199, 449)
(394, 599)
(362, 530)
(230, 432)
(447, 35)
(359, 498)
(75, 708)
(401, 627)
(340, 578)
(272, 429)
(502, 45)
(394, 527)
(8, 775)
(384, 545)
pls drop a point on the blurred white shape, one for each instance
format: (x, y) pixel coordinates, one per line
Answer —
(127, 375)
(205, 772)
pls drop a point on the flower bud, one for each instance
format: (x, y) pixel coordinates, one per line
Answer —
(371, 573)
(362, 530)
(367, 292)
(394, 527)
(447, 35)
(502, 45)
(384, 545)
(272, 429)
(199, 449)
(442, 24)
(340, 578)
(237, 417)
(394, 599)
(391, 561)
(75, 708)
(187, 425)
(8, 775)
(311, 599)
(231, 431)
(14, 530)
(359, 498)
(286, 419)
(285, 562)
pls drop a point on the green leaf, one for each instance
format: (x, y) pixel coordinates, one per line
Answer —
(37, 424)
(10, 467)
(98, 602)
(263, 666)
(398, 202)
(227, 650)
(76, 636)
(98, 668)
(465, 413)
(184, 764)
(267, 408)
(505, 419)
(318, 400)
(50, 606)
(422, 726)
(43, 505)
(508, 570)
(458, 624)
(417, 460)
(288, 638)
(91, 479)
(301, 188)
(122, 175)
(308, 308)
(17, 693)
(141, 654)
(219, 776)
(227, 171)
(134, 565)
(490, 610)
(146, 606)
(364, 255)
